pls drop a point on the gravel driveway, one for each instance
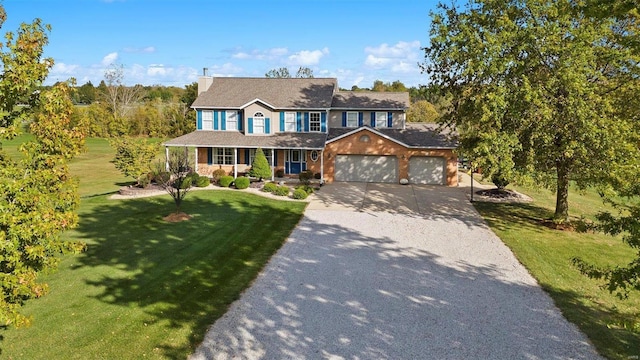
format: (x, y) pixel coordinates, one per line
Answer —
(358, 282)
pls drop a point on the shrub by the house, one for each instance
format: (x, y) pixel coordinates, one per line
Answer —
(260, 167)
(281, 190)
(202, 181)
(225, 181)
(300, 194)
(242, 182)
(270, 187)
(305, 176)
(217, 174)
(280, 173)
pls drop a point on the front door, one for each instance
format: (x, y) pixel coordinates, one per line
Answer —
(295, 161)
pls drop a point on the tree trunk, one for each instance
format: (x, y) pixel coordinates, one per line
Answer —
(562, 193)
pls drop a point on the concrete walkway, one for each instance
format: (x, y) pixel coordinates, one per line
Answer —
(393, 272)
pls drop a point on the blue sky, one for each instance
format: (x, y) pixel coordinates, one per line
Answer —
(168, 42)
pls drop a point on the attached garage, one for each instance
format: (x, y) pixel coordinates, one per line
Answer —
(427, 170)
(366, 168)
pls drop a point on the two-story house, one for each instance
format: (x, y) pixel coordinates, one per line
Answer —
(308, 124)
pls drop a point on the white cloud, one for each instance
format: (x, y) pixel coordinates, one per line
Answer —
(306, 57)
(146, 50)
(109, 59)
(268, 54)
(400, 57)
(63, 69)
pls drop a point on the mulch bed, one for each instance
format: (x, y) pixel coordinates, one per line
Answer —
(176, 217)
(502, 195)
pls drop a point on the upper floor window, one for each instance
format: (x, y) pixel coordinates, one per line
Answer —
(314, 121)
(258, 123)
(381, 119)
(207, 120)
(290, 121)
(352, 119)
(232, 120)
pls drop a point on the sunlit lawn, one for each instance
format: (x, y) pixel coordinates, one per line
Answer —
(147, 288)
(547, 253)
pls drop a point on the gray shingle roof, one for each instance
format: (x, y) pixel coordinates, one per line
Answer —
(289, 93)
(237, 139)
(370, 100)
(416, 135)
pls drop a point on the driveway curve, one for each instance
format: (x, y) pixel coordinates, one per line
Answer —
(356, 280)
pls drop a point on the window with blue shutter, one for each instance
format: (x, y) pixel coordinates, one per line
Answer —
(199, 121)
(250, 126)
(238, 156)
(323, 122)
(299, 121)
(240, 123)
(306, 122)
(344, 119)
(360, 118)
(267, 126)
(389, 119)
(215, 120)
(209, 156)
(246, 156)
(373, 119)
(275, 157)
(282, 121)
(223, 120)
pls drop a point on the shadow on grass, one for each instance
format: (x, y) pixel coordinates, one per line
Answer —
(182, 274)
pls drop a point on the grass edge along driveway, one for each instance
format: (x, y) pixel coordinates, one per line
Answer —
(147, 288)
(608, 321)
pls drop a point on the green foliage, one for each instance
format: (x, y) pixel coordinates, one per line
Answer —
(279, 173)
(134, 157)
(305, 176)
(306, 188)
(242, 182)
(300, 194)
(540, 85)
(422, 111)
(217, 174)
(161, 176)
(260, 167)
(225, 181)
(202, 181)
(39, 199)
(269, 187)
(500, 180)
(281, 190)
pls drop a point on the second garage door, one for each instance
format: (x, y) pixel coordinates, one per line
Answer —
(426, 170)
(366, 168)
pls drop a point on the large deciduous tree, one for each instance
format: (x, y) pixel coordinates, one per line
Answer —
(119, 97)
(538, 83)
(134, 157)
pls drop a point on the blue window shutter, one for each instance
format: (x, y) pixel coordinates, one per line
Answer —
(246, 155)
(298, 121)
(389, 119)
(238, 156)
(209, 156)
(223, 120)
(239, 120)
(281, 121)
(373, 119)
(306, 122)
(199, 122)
(267, 126)
(323, 122)
(344, 119)
(275, 157)
(215, 120)
(360, 118)
(250, 126)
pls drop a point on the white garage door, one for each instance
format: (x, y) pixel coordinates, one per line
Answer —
(427, 170)
(366, 168)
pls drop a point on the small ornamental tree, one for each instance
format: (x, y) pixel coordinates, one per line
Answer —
(133, 158)
(260, 167)
(178, 165)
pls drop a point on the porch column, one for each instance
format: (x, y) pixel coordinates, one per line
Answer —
(273, 172)
(166, 158)
(196, 161)
(321, 166)
(235, 162)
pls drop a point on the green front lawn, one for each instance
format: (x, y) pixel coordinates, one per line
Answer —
(147, 288)
(546, 253)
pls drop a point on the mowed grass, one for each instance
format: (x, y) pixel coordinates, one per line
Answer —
(612, 325)
(147, 288)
